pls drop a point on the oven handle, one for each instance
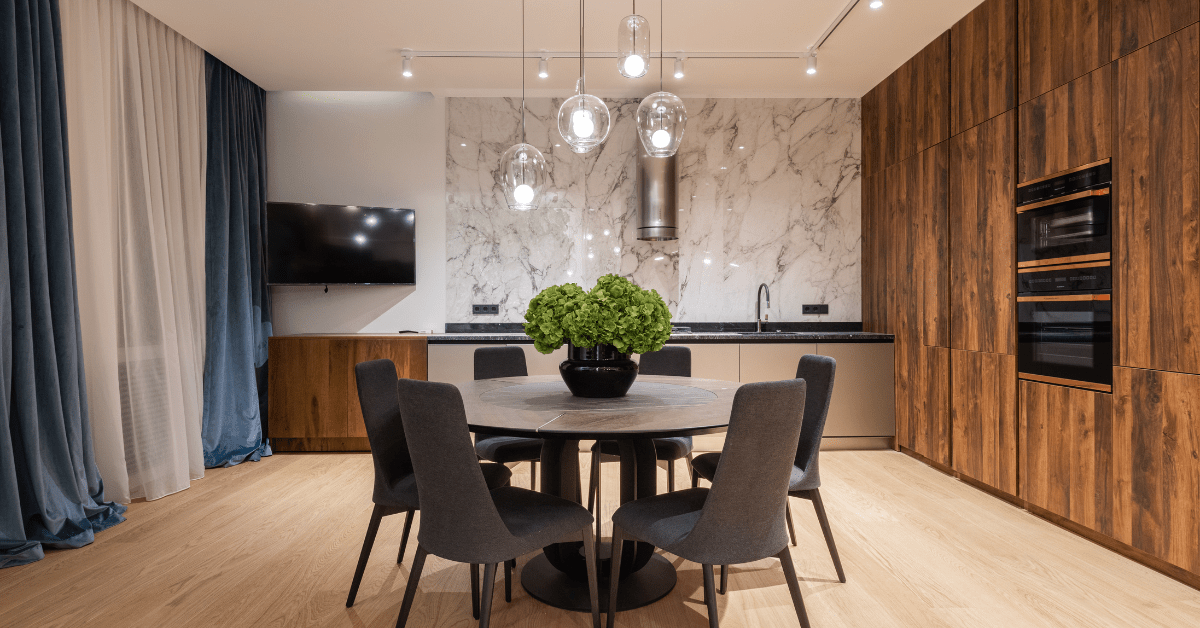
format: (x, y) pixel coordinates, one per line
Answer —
(1063, 199)
(1066, 297)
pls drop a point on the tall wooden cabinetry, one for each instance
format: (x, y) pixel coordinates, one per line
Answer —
(1017, 91)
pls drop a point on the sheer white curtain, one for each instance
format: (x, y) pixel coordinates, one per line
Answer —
(137, 138)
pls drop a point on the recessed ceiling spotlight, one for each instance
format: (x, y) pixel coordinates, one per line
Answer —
(875, 4)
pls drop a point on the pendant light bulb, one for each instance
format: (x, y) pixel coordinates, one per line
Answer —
(523, 194)
(812, 64)
(660, 138)
(678, 67)
(633, 46)
(582, 124)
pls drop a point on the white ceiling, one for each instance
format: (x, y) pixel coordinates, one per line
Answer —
(354, 45)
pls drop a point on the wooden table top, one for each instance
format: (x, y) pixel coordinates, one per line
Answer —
(657, 406)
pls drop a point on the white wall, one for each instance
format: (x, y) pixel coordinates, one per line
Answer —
(385, 149)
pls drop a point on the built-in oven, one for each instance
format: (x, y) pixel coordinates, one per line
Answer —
(1065, 219)
(1064, 325)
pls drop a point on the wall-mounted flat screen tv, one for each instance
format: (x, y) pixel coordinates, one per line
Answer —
(340, 244)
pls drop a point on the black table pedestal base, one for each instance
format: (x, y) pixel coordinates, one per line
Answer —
(641, 588)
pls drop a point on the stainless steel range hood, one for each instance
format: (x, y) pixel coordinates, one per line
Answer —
(658, 210)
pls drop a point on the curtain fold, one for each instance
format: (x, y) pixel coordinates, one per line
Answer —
(51, 493)
(135, 100)
(238, 319)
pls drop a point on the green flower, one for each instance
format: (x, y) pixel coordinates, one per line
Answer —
(615, 312)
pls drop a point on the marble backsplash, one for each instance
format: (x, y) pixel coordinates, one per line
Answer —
(768, 192)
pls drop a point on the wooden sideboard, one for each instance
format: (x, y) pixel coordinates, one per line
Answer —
(312, 393)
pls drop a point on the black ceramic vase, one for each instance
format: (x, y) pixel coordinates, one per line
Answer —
(599, 371)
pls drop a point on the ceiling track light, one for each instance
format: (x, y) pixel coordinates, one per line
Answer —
(812, 63)
(544, 67)
(679, 67)
(406, 66)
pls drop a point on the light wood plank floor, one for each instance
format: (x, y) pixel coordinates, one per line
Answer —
(275, 543)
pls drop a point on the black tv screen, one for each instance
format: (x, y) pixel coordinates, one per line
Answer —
(340, 244)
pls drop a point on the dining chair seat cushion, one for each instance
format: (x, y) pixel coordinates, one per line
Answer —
(705, 466)
(508, 448)
(667, 449)
(664, 520)
(538, 519)
(403, 493)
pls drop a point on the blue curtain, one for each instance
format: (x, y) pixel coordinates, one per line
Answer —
(50, 490)
(238, 313)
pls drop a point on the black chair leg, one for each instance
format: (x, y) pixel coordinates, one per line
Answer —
(614, 575)
(589, 551)
(408, 517)
(414, 576)
(789, 573)
(670, 476)
(724, 580)
(508, 567)
(533, 475)
(828, 532)
(368, 543)
(475, 591)
(485, 603)
(791, 526)
(695, 479)
(710, 597)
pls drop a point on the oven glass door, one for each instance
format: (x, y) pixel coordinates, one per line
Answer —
(1069, 340)
(1077, 229)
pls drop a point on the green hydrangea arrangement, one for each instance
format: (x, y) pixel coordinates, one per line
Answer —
(615, 312)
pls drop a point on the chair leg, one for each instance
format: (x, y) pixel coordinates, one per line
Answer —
(533, 475)
(414, 576)
(368, 543)
(508, 567)
(593, 482)
(475, 591)
(788, 514)
(589, 551)
(825, 529)
(485, 602)
(408, 517)
(724, 580)
(789, 573)
(695, 478)
(710, 597)
(670, 476)
(596, 493)
(614, 575)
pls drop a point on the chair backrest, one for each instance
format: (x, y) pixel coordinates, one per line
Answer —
(817, 371)
(675, 361)
(493, 362)
(376, 382)
(743, 516)
(459, 521)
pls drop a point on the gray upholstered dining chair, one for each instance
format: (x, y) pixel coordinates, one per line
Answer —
(738, 520)
(672, 361)
(461, 520)
(818, 371)
(395, 487)
(493, 362)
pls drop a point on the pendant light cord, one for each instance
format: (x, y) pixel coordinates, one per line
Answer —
(661, 44)
(582, 75)
(523, 71)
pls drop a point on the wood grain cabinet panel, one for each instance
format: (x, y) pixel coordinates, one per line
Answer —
(909, 111)
(875, 237)
(983, 55)
(983, 417)
(1067, 454)
(1156, 429)
(918, 293)
(312, 392)
(1067, 127)
(874, 121)
(982, 235)
(1156, 172)
(1059, 41)
(1136, 23)
(923, 399)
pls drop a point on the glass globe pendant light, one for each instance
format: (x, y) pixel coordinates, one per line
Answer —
(522, 167)
(583, 119)
(633, 45)
(661, 117)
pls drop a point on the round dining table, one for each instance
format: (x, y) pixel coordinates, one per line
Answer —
(540, 406)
